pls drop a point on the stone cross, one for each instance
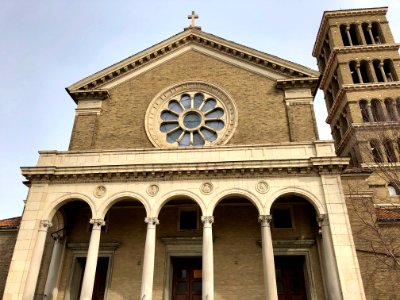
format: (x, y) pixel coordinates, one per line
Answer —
(193, 16)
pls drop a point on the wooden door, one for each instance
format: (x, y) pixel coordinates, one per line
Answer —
(187, 278)
(290, 277)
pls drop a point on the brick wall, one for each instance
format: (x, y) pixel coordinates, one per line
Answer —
(261, 109)
(7, 243)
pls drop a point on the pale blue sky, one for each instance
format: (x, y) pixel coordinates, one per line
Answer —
(48, 45)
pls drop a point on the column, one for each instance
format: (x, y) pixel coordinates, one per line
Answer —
(33, 273)
(359, 72)
(58, 238)
(148, 260)
(271, 292)
(208, 258)
(91, 260)
(369, 110)
(382, 71)
(348, 35)
(394, 109)
(361, 34)
(370, 34)
(328, 256)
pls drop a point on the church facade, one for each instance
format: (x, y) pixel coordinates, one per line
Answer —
(194, 172)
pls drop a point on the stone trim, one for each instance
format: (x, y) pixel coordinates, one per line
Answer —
(342, 13)
(191, 36)
(293, 83)
(353, 49)
(357, 87)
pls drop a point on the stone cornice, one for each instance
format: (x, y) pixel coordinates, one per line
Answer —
(342, 13)
(238, 51)
(313, 167)
(353, 49)
(89, 94)
(311, 83)
(177, 164)
(357, 87)
(368, 127)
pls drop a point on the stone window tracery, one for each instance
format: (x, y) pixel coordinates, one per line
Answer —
(191, 114)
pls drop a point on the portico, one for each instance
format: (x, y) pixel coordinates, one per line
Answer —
(160, 214)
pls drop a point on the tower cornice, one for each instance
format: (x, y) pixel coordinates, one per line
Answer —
(342, 13)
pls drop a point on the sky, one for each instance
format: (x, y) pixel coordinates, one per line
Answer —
(47, 45)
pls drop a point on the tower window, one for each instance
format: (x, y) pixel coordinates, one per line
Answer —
(390, 109)
(364, 110)
(376, 154)
(377, 112)
(389, 151)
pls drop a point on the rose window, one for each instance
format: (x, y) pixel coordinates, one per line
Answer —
(192, 120)
(191, 114)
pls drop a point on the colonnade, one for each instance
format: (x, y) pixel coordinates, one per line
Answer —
(330, 270)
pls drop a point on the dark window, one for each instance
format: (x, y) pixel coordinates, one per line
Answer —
(377, 112)
(344, 35)
(364, 111)
(282, 218)
(376, 153)
(188, 220)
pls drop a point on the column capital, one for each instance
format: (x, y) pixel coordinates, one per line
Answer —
(322, 220)
(58, 235)
(152, 221)
(97, 223)
(45, 225)
(265, 220)
(207, 220)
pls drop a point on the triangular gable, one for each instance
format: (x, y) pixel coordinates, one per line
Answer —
(96, 85)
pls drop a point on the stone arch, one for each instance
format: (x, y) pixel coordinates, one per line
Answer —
(306, 195)
(105, 207)
(55, 205)
(177, 194)
(235, 192)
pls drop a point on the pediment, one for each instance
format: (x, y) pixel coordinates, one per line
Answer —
(283, 71)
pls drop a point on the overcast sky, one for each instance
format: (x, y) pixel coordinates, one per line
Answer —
(48, 45)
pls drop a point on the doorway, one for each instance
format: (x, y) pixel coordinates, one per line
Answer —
(100, 281)
(187, 278)
(290, 280)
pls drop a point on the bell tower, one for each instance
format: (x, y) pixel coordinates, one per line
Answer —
(360, 66)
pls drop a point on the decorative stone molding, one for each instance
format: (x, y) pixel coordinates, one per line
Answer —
(45, 225)
(262, 187)
(322, 220)
(161, 102)
(97, 223)
(99, 191)
(152, 190)
(206, 188)
(152, 220)
(190, 36)
(341, 13)
(59, 234)
(207, 220)
(91, 94)
(311, 83)
(265, 220)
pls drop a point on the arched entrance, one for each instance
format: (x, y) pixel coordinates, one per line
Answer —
(238, 267)
(178, 255)
(295, 239)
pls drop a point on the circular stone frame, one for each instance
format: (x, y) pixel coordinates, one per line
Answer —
(160, 102)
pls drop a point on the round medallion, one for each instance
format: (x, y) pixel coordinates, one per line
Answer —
(262, 187)
(152, 190)
(191, 114)
(100, 191)
(206, 188)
